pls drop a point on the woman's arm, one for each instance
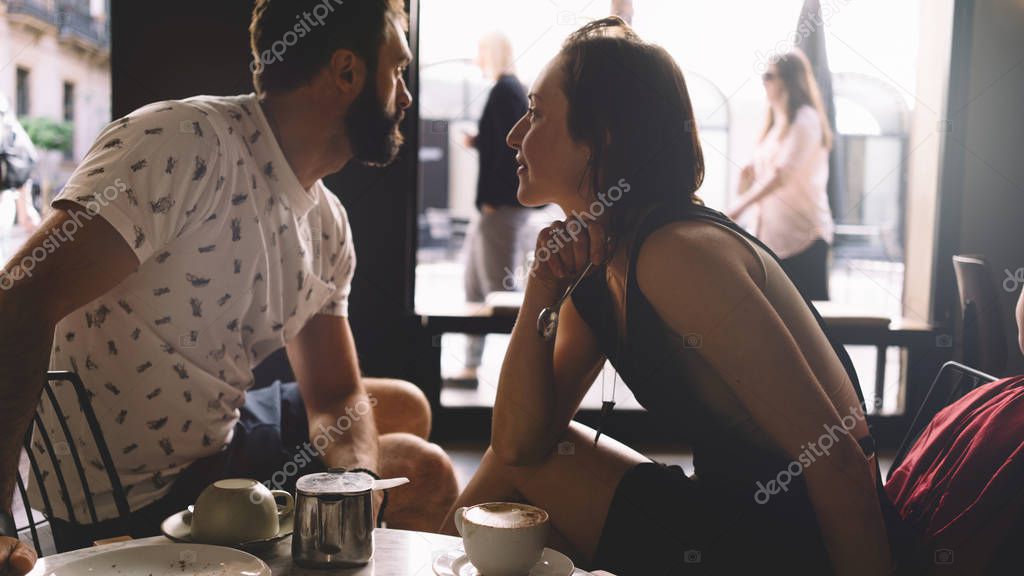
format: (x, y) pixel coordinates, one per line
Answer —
(697, 285)
(541, 385)
(802, 139)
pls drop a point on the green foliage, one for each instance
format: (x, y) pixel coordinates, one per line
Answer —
(48, 134)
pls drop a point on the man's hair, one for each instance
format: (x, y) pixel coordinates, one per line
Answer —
(293, 40)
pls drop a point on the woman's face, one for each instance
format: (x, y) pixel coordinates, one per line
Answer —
(551, 164)
(773, 86)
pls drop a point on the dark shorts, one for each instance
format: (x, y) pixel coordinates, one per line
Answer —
(271, 432)
(663, 522)
(809, 270)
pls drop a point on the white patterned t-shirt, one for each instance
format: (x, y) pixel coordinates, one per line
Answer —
(235, 257)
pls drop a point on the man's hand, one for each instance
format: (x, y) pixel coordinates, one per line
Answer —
(16, 559)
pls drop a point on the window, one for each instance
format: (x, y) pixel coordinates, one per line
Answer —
(875, 69)
(22, 105)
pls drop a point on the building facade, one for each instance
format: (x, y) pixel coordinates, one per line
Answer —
(55, 58)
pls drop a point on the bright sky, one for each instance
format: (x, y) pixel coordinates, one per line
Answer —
(723, 40)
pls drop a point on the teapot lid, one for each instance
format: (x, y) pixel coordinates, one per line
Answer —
(334, 483)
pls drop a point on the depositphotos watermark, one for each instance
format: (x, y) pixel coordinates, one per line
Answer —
(575, 225)
(317, 446)
(1013, 280)
(306, 22)
(811, 451)
(92, 203)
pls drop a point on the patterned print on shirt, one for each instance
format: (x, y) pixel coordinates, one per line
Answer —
(196, 281)
(140, 238)
(200, 169)
(166, 446)
(180, 369)
(162, 205)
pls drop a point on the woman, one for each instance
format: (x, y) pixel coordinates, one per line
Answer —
(703, 326)
(493, 245)
(788, 178)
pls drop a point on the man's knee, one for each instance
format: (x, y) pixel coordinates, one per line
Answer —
(425, 461)
(399, 406)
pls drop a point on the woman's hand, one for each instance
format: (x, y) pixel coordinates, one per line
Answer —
(746, 178)
(563, 251)
(16, 558)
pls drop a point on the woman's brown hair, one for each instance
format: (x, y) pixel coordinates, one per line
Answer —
(629, 104)
(794, 71)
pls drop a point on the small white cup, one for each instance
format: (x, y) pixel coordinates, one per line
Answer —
(238, 510)
(502, 551)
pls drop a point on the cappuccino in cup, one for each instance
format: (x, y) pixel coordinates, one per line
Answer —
(503, 538)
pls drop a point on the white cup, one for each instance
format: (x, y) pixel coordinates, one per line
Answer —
(502, 550)
(238, 510)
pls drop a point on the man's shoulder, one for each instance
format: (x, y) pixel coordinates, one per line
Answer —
(510, 87)
(189, 116)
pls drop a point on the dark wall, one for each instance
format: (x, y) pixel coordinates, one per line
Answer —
(982, 201)
(191, 47)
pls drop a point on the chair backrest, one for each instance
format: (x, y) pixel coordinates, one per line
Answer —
(66, 447)
(982, 340)
(952, 382)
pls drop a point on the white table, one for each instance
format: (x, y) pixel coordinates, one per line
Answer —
(396, 553)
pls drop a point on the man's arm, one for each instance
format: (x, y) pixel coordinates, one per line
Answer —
(37, 292)
(323, 357)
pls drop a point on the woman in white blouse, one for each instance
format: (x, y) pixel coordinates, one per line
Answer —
(784, 188)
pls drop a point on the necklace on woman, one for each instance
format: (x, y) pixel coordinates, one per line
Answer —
(606, 405)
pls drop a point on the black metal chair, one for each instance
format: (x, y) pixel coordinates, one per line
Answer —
(85, 404)
(981, 339)
(952, 382)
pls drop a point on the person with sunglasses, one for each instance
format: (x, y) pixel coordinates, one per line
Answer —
(782, 193)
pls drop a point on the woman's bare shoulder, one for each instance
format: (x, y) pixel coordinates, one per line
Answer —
(702, 247)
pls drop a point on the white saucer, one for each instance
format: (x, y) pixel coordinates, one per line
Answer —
(167, 560)
(178, 528)
(455, 563)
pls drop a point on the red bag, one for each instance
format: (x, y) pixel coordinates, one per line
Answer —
(962, 484)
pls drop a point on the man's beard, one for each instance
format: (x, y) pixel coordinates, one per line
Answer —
(374, 136)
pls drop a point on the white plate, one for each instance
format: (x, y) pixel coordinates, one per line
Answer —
(455, 563)
(177, 527)
(167, 560)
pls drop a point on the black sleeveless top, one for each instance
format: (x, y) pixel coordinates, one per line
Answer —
(650, 363)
